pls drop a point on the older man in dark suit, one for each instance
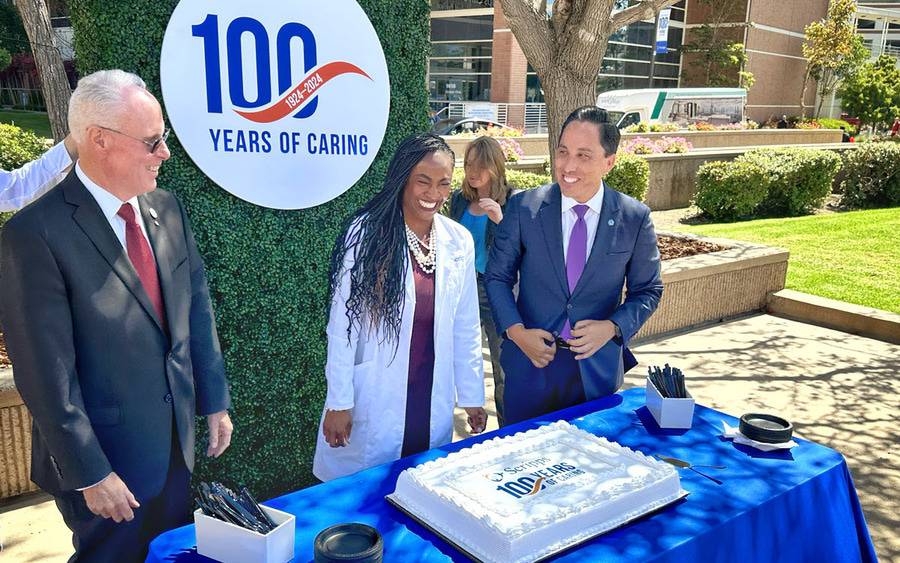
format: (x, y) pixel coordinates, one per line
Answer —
(110, 328)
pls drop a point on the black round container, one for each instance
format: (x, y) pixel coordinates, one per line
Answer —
(349, 542)
(766, 428)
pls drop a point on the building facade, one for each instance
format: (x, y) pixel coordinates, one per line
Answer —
(475, 58)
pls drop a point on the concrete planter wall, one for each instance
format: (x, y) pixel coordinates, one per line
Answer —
(15, 440)
(673, 177)
(537, 146)
(749, 137)
(719, 285)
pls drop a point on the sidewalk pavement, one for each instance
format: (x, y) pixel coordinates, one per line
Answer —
(836, 388)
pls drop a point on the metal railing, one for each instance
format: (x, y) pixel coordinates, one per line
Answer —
(22, 98)
(535, 118)
(878, 49)
(535, 114)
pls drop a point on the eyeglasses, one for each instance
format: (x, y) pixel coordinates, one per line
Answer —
(153, 145)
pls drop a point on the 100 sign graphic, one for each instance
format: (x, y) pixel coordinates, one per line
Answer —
(289, 139)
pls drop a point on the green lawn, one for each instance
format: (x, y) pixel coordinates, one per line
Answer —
(34, 121)
(852, 257)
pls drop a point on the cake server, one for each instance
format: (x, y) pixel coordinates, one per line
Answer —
(688, 465)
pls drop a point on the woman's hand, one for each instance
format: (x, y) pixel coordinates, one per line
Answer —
(477, 419)
(492, 208)
(336, 427)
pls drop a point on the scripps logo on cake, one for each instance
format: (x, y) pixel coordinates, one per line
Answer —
(533, 476)
(283, 104)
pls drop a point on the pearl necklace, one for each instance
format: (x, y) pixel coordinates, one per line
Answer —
(425, 261)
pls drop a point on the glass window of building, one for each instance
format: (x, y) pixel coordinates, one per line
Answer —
(443, 5)
(459, 68)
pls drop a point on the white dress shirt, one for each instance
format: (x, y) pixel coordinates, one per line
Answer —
(591, 218)
(20, 187)
(110, 204)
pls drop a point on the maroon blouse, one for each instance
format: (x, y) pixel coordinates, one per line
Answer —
(417, 430)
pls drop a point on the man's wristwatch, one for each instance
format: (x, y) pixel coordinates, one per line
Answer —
(618, 337)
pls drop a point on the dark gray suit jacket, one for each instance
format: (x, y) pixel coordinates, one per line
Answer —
(103, 380)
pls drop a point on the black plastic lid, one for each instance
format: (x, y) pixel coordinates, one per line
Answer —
(766, 428)
(349, 542)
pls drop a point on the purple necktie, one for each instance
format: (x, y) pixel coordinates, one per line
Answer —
(576, 256)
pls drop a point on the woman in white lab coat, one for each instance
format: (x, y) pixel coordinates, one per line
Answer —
(404, 338)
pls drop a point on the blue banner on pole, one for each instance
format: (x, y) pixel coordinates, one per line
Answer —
(662, 31)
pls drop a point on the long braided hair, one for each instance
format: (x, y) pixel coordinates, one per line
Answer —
(376, 238)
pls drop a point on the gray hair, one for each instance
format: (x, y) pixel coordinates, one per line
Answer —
(99, 100)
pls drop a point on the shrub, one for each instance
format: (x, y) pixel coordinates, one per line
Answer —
(511, 150)
(701, 126)
(670, 145)
(798, 179)
(491, 131)
(642, 127)
(729, 190)
(664, 127)
(643, 145)
(809, 125)
(872, 176)
(882, 139)
(639, 145)
(19, 146)
(740, 126)
(630, 175)
(831, 123)
(518, 179)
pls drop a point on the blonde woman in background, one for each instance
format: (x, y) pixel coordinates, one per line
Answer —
(478, 205)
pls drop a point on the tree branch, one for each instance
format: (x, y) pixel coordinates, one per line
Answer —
(531, 28)
(646, 10)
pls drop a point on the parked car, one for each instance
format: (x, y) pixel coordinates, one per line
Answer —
(467, 125)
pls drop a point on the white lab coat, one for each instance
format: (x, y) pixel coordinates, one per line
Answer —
(368, 377)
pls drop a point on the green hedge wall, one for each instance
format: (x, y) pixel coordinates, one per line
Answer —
(267, 268)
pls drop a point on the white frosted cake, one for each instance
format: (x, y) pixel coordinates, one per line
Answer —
(527, 496)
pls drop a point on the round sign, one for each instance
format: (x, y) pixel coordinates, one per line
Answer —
(283, 104)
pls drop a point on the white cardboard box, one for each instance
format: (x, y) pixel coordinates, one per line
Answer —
(229, 543)
(669, 413)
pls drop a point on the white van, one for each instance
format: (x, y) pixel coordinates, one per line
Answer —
(684, 106)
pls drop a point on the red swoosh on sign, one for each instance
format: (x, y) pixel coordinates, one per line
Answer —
(299, 95)
(537, 486)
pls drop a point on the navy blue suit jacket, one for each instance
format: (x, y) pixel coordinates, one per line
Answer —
(528, 248)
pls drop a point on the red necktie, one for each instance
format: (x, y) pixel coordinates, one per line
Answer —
(142, 260)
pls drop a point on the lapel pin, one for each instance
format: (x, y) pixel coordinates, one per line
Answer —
(610, 222)
(153, 213)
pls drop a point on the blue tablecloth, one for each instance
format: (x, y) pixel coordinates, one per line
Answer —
(798, 505)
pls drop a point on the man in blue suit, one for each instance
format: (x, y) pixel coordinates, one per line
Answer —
(572, 246)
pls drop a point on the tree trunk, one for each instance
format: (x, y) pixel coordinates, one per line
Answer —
(822, 96)
(566, 50)
(564, 93)
(54, 84)
(803, 93)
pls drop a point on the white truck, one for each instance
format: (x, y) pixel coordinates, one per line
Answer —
(684, 106)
